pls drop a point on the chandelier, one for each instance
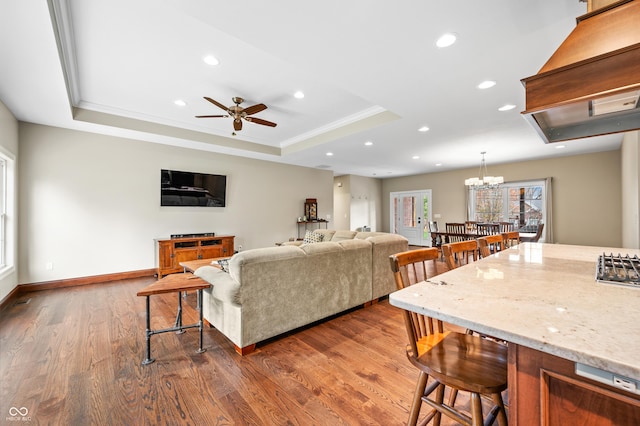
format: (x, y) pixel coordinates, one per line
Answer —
(484, 182)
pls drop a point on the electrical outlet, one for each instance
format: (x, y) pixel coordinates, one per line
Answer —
(49, 266)
(625, 384)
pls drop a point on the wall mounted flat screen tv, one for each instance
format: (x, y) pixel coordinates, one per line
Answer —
(192, 189)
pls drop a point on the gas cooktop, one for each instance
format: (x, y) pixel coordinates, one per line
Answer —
(618, 269)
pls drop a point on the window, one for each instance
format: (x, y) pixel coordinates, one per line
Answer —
(521, 203)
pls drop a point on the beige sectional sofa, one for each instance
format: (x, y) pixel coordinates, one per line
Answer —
(269, 291)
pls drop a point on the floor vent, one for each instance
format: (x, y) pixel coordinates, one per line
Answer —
(22, 302)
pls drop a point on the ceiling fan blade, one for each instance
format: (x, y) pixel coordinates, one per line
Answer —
(254, 109)
(261, 121)
(216, 103)
(211, 116)
(237, 124)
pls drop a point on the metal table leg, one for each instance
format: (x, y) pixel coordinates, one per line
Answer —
(199, 293)
(148, 359)
(178, 323)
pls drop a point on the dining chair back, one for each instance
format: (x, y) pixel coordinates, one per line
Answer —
(536, 237)
(458, 253)
(471, 225)
(490, 244)
(507, 226)
(433, 226)
(456, 232)
(488, 228)
(510, 239)
(457, 361)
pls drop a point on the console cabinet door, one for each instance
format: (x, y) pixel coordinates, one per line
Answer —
(207, 252)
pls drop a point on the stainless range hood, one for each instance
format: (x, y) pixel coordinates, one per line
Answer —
(591, 84)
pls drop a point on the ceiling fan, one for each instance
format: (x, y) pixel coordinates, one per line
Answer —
(238, 113)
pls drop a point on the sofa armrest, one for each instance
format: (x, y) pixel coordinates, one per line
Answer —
(223, 287)
(384, 246)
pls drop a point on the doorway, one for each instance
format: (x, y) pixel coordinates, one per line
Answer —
(410, 216)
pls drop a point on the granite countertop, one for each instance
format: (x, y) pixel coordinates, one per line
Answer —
(543, 296)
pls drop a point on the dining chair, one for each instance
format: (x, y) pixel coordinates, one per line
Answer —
(510, 239)
(436, 241)
(536, 237)
(506, 226)
(459, 252)
(453, 360)
(488, 228)
(456, 232)
(471, 225)
(490, 244)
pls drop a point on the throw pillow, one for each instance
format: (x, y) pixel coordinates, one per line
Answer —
(224, 264)
(312, 237)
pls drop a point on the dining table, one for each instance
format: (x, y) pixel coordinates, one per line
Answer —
(570, 337)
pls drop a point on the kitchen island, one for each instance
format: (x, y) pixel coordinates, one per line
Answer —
(544, 300)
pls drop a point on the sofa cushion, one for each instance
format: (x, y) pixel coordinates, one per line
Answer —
(343, 235)
(326, 233)
(312, 237)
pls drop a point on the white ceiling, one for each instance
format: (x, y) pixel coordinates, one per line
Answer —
(370, 71)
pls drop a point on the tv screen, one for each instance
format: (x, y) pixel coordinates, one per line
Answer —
(192, 189)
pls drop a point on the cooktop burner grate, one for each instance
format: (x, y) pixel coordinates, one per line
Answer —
(618, 269)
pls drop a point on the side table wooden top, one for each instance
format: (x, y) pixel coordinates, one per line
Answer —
(192, 265)
(174, 283)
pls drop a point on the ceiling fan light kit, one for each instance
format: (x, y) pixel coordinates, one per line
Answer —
(239, 113)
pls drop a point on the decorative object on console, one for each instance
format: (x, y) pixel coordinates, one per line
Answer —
(311, 209)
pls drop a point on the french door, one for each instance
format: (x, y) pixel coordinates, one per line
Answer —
(410, 216)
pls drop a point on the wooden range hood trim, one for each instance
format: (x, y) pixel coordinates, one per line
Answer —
(601, 57)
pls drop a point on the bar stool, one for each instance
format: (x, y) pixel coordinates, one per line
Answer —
(510, 239)
(490, 244)
(460, 252)
(459, 361)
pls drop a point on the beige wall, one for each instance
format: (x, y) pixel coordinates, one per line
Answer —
(91, 203)
(341, 202)
(357, 202)
(587, 194)
(630, 153)
(9, 148)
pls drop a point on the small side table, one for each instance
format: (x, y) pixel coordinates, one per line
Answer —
(174, 283)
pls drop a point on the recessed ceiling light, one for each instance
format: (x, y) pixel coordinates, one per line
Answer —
(416, 157)
(560, 146)
(486, 84)
(180, 102)
(446, 40)
(329, 154)
(298, 95)
(368, 143)
(211, 60)
(438, 164)
(423, 129)
(506, 107)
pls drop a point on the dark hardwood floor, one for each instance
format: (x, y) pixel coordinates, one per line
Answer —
(73, 357)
